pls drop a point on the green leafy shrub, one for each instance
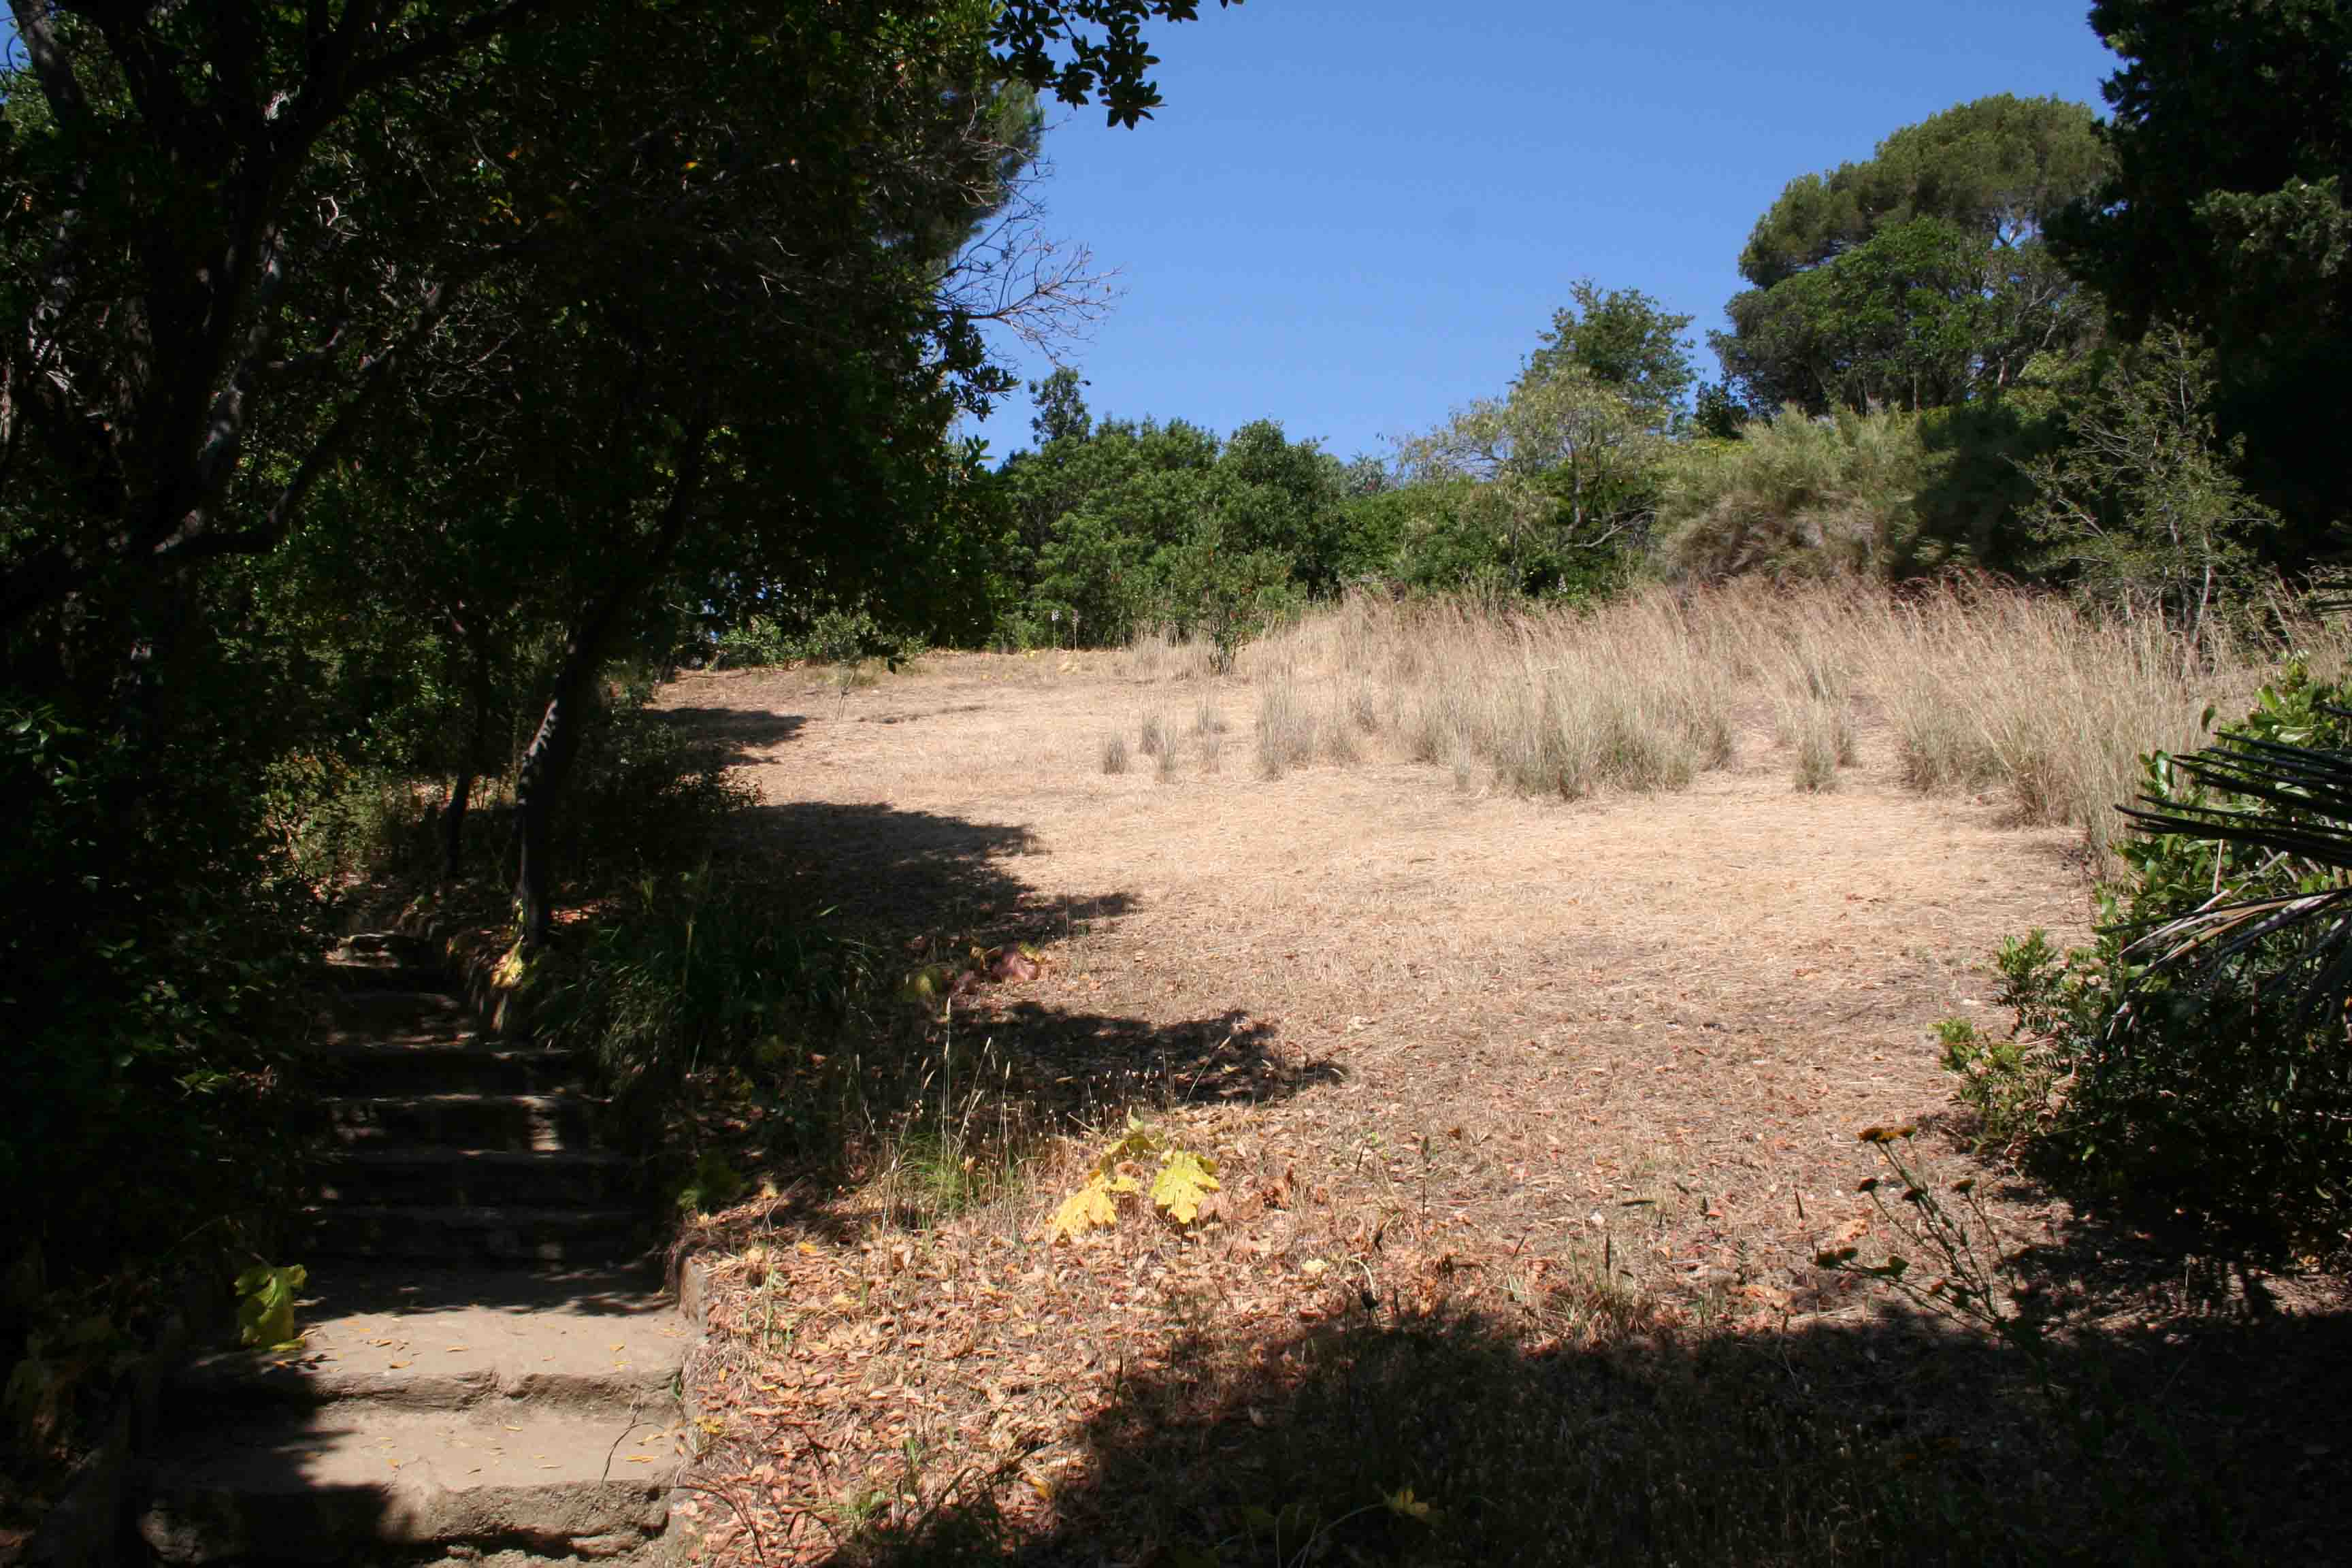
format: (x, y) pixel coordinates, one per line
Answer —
(682, 973)
(839, 636)
(645, 796)
(2212, 1089)
(1798, 497)
(1226, 595)
(2008, 1080)
(752, 644)
(154, 950)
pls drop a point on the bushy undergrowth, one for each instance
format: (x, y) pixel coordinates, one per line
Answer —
(685, 972)
(2215, 1093)
(832, 637)
(1798, 496)
(154, 949)
(737, 1032)
(646, 798)
(644, 794)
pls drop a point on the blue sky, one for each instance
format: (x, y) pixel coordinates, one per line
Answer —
(1353, 215)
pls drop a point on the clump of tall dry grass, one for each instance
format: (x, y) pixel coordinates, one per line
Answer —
(1158, 655)
(1310, 709)
(1152, 734)
(1544, 701)
(1972, 687)
(2028, 694)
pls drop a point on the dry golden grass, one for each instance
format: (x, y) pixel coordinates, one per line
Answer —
(1983, 689)
(1158, 655)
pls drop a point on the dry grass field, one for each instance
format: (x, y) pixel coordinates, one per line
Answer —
(1531, 1095)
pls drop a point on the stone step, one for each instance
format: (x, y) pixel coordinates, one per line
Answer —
(378, 973)
(327, 1483)
(514, 1237)
(582, 1341)
(528, 1177)
(397, 1008)
(515, 1122)
(395, 946)
(467, 1064)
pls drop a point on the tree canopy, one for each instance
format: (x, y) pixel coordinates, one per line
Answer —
(2224, 208)
(1920, 277)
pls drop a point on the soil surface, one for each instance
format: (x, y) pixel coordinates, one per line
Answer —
(1561, 1061)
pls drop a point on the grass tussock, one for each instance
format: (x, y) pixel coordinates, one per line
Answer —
(1211, 743)
(1113, 755)
(1548, 701)
(1160, 654)
(1152, 734)
(1973, 688)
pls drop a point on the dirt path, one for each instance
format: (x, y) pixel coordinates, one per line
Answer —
(1741, 975)
(1506, 1042)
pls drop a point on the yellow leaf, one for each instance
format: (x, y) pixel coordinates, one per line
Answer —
(1184, 1179)
(1090, 1205)
(1123, 1183)
(1404, 1505)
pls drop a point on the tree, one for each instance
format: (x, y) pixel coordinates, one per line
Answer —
(1279, 497)
(1062, 413)
(2140, 503)
(240, 231)
(1563, 464)
(1920, 278)
(1622, 338)
(2225, 209)
(220, 217)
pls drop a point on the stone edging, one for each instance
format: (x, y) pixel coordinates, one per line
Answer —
(477, 960)
(89, 1526)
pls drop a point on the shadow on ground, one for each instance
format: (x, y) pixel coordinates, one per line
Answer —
(897, 876)
(923, 888)
(926, 908)
(737, 735)
(1387, 1436)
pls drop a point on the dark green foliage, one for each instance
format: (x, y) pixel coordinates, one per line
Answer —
(2193, 1061)
(1717, 413)
(846, 638)
(647, 799)
(2138, 503)
(154, 947)
(1918, 278)
(702, 985)
(1227, 595)
(2226, 208)
(1623, 339)
(1125, 525)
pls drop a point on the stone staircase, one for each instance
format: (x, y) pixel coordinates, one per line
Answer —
(489, 1362)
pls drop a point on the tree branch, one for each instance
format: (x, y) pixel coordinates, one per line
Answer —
(375, 374)
(50, 67)
(434, 46)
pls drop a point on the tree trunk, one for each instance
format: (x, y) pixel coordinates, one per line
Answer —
(453, 826)
(546, 768)
(547, 761)
(461, 792)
